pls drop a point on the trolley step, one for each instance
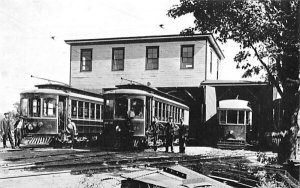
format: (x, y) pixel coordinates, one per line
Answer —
(40, 140)
(232, 144)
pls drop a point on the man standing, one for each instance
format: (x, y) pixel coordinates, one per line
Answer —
(71, 130)
(6, 131)
(170, 130)
(18, 131)
(181, 133)
(153, 131)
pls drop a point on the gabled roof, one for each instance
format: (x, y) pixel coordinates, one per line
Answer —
(149, 39)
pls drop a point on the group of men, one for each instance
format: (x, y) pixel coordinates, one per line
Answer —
(6, 132)
(169, 131)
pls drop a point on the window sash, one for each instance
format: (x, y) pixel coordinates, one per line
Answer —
(152, 56)
(118, 59)
(86, 60)
(187, 57)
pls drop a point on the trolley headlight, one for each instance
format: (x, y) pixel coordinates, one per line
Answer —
(118, 129)
(30, 127)
(40, 124)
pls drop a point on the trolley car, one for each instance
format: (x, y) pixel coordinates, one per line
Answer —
(235, 123)
(130, 109)
(46, 109)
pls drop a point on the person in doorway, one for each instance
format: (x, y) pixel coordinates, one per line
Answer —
(170, 131)
(6, 131)
(181, 133)
(230, 135)
(18, 131)
(71, 130)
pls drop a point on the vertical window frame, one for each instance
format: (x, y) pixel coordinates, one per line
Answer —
(211, 62)
(81, 60)
(147, 58)
(113, 58)
(181, 56)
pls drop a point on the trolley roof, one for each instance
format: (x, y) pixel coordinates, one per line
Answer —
(64, 91)
(67, 89)
(134, 91)
(150, 90)
(234, 104)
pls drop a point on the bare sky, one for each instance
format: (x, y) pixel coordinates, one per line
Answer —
(32, 35)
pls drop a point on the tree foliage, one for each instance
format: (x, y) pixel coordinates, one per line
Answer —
(265, 29)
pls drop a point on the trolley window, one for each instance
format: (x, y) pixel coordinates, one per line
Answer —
(232, 116)
(109, 109)
(121, 107)
(24, 107)
(92, 115)
(163, 112)
(168, 112)
(177, 114)
(49, 107)
(101, 111)
(137, 105)
(247, 117)
(241, 117)
(98, 111)
(35, 107)
(86, 110)
(159, 111)
(74, 109)
(155, 108)
(80, 109)
(222, 116)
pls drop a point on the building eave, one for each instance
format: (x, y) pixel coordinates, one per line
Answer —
(148, 39)
(220, 83)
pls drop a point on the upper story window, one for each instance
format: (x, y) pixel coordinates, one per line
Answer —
(152, 54)
(86, 60)
(187, 57)
(117, 59)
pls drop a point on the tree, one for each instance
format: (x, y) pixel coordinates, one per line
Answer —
(266, 29)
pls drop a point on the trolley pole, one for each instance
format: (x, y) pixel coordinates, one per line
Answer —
(49, 80)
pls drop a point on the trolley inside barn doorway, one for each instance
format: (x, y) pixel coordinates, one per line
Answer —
(235, 123)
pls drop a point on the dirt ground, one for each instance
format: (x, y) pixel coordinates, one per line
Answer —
(64, 179)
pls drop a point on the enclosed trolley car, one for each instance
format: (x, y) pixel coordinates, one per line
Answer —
(235, 123)
(46, 109)
(130, 109)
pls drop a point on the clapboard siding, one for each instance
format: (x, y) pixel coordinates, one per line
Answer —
(169, 73)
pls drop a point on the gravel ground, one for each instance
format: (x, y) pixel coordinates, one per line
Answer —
(65, 179)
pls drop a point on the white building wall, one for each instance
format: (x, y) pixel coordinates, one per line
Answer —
(169, 73)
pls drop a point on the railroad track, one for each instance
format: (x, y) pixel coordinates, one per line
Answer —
(88, 162)
(111, 165)
(65, 157)
(75, 159)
